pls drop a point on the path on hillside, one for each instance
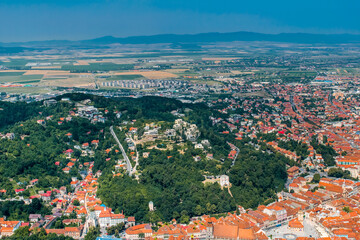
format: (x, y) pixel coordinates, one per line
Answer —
(128, 163)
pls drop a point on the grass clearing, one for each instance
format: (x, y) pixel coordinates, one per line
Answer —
(150, 74)
(25, 90)
(97, 67)
(30, 81)
(125, 77)
(20, 78)
(7, 74)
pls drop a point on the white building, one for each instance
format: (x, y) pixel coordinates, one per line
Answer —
(224, 181)
(151, 206)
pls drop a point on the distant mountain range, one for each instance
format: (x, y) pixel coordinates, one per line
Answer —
(306, 38)
(230, 37)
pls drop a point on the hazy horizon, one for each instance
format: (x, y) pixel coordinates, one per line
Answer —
(37, 20)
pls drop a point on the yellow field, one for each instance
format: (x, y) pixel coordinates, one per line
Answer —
(53, 73)
(36, 72)
(177, 70)
(240, 72)
(81, 62)
(69, 82)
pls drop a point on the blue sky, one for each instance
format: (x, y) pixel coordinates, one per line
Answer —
(27, 20)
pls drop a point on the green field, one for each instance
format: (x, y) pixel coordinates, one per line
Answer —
(20, 79)
(25, 90)
(30, 81)
(7, 74)
(17, 64)
(299, 73)
(125, 77)
(97, 67)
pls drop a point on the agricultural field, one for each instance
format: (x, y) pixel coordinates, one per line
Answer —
(150, 74)
(73, 81)
(97, 67)
(25, 90)
(18, 77)
(125, 77)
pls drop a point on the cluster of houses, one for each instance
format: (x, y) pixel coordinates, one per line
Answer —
(91, 113)
(332, 212)
(190, 131)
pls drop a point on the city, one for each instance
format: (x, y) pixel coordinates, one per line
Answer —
(169, 120)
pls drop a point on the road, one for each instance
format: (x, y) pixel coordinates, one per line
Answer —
(128, 163)
(137, 156)
(236, 155)
(87, 219)
(294, 107)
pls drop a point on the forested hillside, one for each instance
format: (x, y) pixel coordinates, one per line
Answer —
(170, 178)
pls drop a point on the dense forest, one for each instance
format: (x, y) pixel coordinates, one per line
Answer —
(19, 211)
(300, 148)
(11, 113)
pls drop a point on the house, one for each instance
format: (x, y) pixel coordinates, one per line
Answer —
(296, 225)
(108, 219)
(74, 232)
(72, 221)
(8, 227)
(69, 152)
(63, 190)
(232, 231)
(294, 186)
(41, 122)
(34, 181)
(46, 196)
(35, 217)
(74, 184)
(133, 233)
(81, 212)
(279, 212)
(17, 191)
(293, 171)
(49, 102)
(70, 164)
(10, 136)
(130, 222)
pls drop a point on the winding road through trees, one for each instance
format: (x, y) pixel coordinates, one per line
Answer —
(128, 164)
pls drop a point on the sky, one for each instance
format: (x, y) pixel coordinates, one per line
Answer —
(29, 20)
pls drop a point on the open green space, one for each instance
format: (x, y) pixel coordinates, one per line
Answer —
(16, 64)
(21, 78)
(25, 90)
(7, 74)
(125, 77)
(97, 67)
